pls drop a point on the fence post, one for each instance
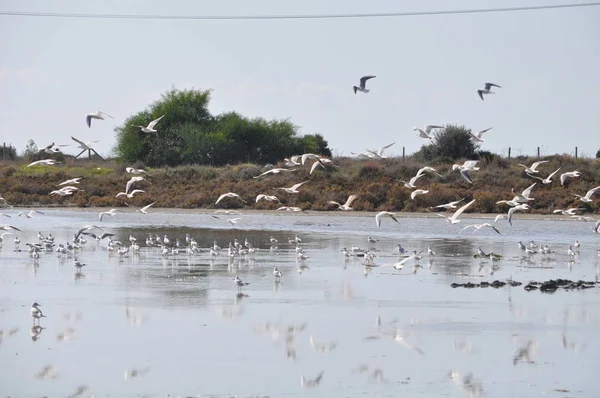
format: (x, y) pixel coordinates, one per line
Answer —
(538, 152)
(403, 153)
(575, 152)
(508, 153)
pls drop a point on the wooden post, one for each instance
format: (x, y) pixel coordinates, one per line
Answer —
(403, 153)
(575, 152)
(508, 153)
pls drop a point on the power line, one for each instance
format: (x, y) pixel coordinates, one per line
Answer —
(305, 16)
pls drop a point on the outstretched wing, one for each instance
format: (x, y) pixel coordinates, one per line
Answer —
(363, 80)
(76, 140)
(490, 85)
(153, 123)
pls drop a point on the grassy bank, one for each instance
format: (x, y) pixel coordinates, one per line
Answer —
(376, 182)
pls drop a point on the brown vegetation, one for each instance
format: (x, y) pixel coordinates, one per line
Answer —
(376, 182)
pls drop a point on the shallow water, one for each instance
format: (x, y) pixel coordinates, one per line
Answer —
(179, 321)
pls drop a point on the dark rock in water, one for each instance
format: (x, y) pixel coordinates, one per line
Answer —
(547, 287)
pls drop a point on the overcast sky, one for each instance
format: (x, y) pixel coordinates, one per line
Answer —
(55, 70)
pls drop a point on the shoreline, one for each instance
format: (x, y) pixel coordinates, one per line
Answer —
(307, 213)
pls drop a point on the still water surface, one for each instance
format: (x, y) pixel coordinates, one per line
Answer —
(180, 323)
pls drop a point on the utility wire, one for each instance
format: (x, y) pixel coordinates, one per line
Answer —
(305, 16)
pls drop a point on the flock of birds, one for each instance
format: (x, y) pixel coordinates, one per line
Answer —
(236, 249)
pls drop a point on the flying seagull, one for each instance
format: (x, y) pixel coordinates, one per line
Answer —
(150, 127)
(569, 174)
(98, 115)
(453, 219)
(84, 145)
(486, 90)
(363, 84)
(588, 196)
(477, 136)
(345, 206)
(533, 169)
(426, 133)
(546, 180)
(47, 162)
(384, 214)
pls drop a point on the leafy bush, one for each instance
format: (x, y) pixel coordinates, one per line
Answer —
(189, 134)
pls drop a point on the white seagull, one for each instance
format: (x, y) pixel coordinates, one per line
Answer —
(587, 198)
(524, 197)
(98, 115)
(477, 227)
(132, 181)
(569, 174)
(426, 133)
(111, 212)
(379, 153)
(130, 194)
(477, 136)
(230, 195)
(411, 184)
(47, 162)
(546, 180)
(131, 170)
(534, 166)
(486, 90)
(363, 85)
(417, 192)
(144, 210)
(150, 127)
(273, 171)
(294, 188)
(84, 145)
(512, 210)
(453, 219)
(465, 168)
(384, 214)
(71, 181)
(270, 198)
(449, 205)
(30, 214)
(345, 206)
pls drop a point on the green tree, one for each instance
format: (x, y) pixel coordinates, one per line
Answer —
(451, 143)
(31, 149)
(189, 134)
